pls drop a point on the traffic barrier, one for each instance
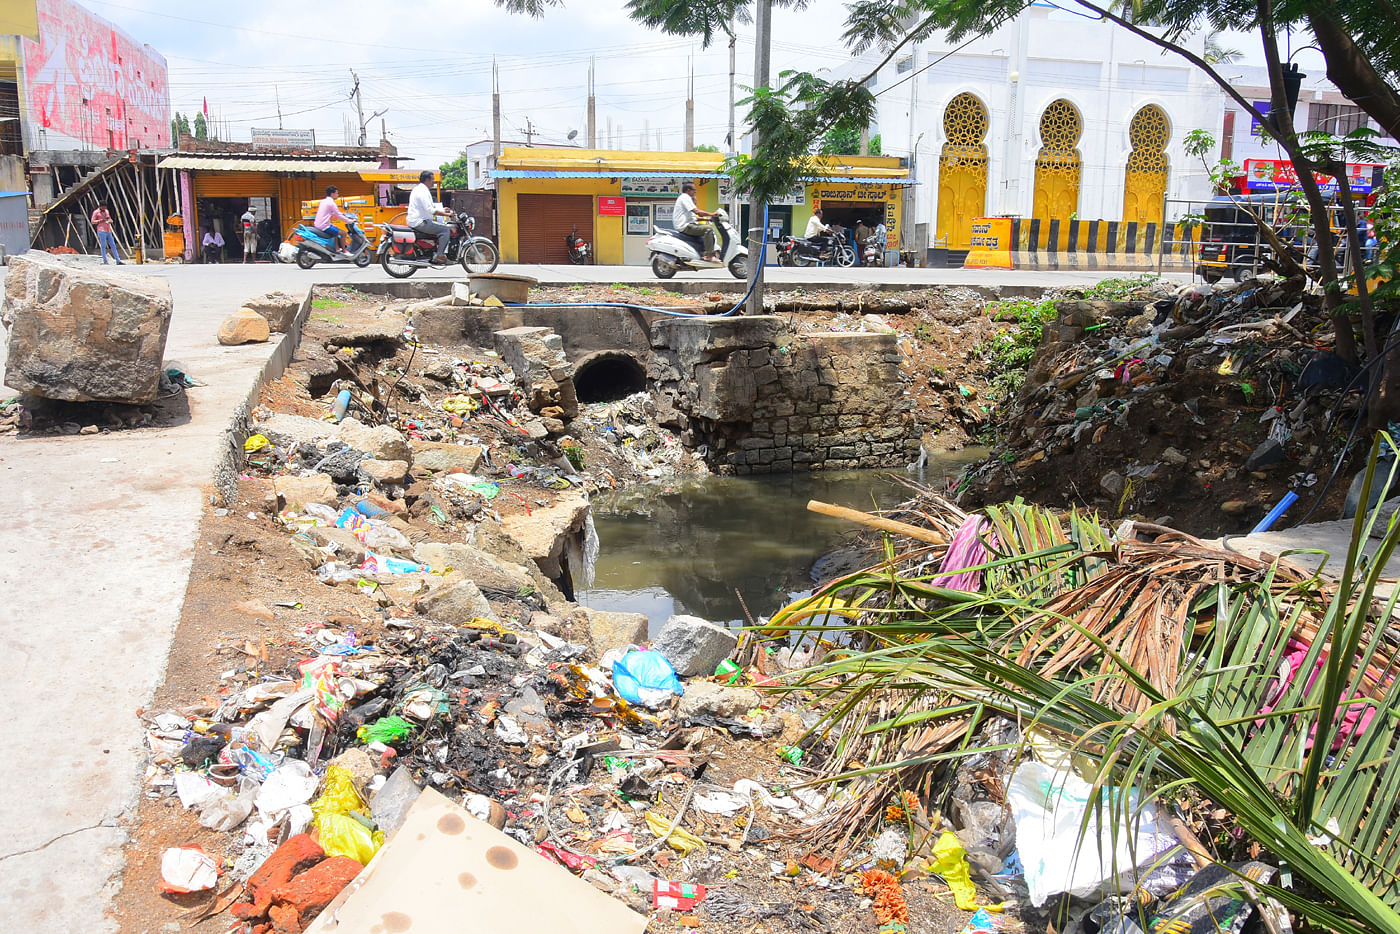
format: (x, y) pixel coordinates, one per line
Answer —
(1041, 243)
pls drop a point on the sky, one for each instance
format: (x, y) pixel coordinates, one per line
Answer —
(427, 64)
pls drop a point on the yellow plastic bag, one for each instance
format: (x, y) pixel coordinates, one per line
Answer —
(256, 443)
(338, 833)
(679, 840)
(950, 862)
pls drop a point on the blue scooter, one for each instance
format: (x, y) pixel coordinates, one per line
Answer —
(313, 248)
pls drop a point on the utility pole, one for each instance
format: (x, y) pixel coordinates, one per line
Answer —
(592, 122)
(495, 116)
(278, 98)
(690, 109)
(529, 132)
(865, 140)
(731, 142)
(359, 106)
(763, 27)
(610, 134)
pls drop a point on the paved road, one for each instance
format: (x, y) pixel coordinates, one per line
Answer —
(94, 558)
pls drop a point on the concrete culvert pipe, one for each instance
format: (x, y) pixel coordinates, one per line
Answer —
(607, 376)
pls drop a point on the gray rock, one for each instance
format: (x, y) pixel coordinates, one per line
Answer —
(441, 457)
(290, 431)
(1173, 457)
(342, 463)
(719, 700)
(383, 442)
(385, 473)
(441, 371)
(279, 308)
(615, 630)
(84, 335)
(389, 805)
(529, 709)
(455, 603)
(348, 548)
(298, 491)
(1265, 455)
(486, 571)
(1112, 483)
(694, 646)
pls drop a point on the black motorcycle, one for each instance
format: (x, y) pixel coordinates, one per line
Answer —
(831, 250)
(578, 247)
(403, 250)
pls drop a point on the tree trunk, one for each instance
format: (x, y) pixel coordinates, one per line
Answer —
(1351, 71)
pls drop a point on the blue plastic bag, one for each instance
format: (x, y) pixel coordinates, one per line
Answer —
(645, 677)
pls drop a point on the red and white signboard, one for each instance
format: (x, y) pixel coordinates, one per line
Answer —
(88, 85)
(1280, 175)
(611, 206)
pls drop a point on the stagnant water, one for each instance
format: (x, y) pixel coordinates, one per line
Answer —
(685, 546)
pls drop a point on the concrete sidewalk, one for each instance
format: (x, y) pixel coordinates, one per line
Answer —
(96, 557)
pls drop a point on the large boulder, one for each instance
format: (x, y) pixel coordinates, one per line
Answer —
(298, 491)
(717, 700)
(455, 603)
(615, 630)
(486, 571)
(441, 457)
(547, 531)
(384, 442)
(385, 473)
(84, 335)
(694, 646)
(288, 431)
(278, 308)
(244, 326)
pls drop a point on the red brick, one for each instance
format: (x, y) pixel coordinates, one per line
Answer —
(298, 854)
(311, 891)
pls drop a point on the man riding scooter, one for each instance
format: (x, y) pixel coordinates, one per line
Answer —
(328, 211)
(686, 217)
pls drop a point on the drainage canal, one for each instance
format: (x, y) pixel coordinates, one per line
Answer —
(607, 376)
(686, 546)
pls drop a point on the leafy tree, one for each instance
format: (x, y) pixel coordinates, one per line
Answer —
(201, 127)
(179, 124)
(706, 147)
(846, 142)
(456, 175)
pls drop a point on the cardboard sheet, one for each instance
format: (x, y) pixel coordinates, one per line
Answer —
(445, 870)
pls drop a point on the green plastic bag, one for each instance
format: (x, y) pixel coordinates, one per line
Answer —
(387, 730)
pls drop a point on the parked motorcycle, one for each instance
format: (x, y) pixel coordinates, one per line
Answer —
(313, 248)
(800, 251)
(870, 253)
(403, 250)
(672, 251)
(578, 247)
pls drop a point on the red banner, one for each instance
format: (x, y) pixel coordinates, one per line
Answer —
(611, 206)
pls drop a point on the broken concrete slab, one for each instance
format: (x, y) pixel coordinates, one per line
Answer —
(615, 630)
(488, 572)
(296, 492)
(536, 356)
(445, 864)
(718, 700)
(544, 533)
(384, 442)
(694, 646)
(279, 308)
(387, 327)
(244, 326)
(385, 473)
(455, 603)
(84, 335)
(288, 431)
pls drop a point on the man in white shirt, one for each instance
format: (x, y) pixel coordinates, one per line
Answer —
(815, 226)
(249, 223)
(685, 217)
(421, 212)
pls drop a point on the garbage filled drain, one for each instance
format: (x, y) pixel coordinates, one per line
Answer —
(608, 376)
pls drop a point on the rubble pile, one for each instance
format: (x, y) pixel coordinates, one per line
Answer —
(1197, 407)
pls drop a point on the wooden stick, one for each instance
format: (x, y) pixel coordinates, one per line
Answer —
(876, 522)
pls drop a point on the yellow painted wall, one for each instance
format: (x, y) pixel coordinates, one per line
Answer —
(821, 191)
(607, 231)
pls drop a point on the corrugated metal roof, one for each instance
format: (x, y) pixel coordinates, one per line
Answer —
(896, 180)
(197, 163)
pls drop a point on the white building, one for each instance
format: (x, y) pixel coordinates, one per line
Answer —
(480, 161)
(1054, 116)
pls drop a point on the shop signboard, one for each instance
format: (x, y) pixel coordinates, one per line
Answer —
(283, 139)
(1261, 175)
(860, 191)
(639, 219)
(797, 196)
(611, 206)
(651, 187)
(991, 243)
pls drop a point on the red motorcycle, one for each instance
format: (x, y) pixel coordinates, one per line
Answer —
(578, 247)
(403, 250)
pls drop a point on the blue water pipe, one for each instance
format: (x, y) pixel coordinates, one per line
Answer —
(1268, 521)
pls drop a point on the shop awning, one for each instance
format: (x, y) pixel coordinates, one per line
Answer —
(899, 182)
(318, 166)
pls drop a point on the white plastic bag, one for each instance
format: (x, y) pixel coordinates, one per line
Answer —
(1049, 807)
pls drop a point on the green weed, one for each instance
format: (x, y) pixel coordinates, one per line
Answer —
(1121, 287)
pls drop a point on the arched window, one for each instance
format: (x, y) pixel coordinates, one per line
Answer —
(1057, 167)
(1145, 178)
(962, 170)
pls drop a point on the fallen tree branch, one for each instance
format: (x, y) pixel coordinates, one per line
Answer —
(876, 522)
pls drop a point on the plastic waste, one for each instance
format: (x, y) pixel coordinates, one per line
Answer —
(387, 730)
(384, 564)
(339, 833)
(677, 896)
(950, 862)
(367, 509)
(341, 404)
(982, 922)
(728, 672)
(225, 813)
(291, 784)
(320, 511)
(645, 677)
(187, 869)
(256, 443)
(351, 520)
(381, 535)
(1064, 847)
(333, 572)
(679, 840)
(638, 878)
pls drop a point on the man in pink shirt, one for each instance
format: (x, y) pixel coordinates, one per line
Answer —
(102, 220)
(328, 211)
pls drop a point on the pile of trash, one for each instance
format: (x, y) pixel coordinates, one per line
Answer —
(1198, 408)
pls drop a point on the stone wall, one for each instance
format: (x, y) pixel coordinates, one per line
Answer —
(763, 399)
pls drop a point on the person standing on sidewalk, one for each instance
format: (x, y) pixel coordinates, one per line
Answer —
(102, 220)
(250, 235)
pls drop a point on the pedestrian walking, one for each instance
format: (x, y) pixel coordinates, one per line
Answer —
(107, 241)
(249, 221)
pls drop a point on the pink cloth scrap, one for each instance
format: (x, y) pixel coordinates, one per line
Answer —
(966, 550)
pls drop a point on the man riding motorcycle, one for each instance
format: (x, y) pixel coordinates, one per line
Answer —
(421, 214)
(686, 217)
(818, 233)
